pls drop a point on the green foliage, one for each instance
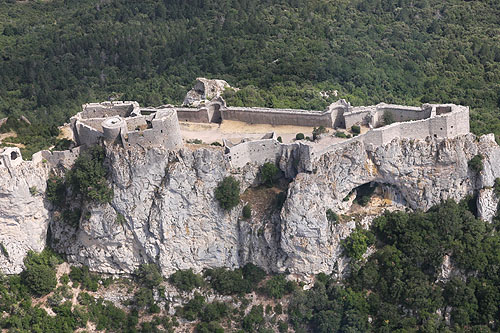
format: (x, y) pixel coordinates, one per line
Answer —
(216, 143)
(355, 129)
(340, 135)
(476, 164)
(195, 141)
(268, 173)
(86, 279)
(33, 190)
(299, 136)
(280, 139)
(331, 216)
(4, 251)
(238, 281)
(56, 190)
(357, 243)
(278, 286)
(247, 211)
(186, 280)
(317, 131)
(388, 118)
(88, 176)
(149, 275)
(62, 144)
(228, 193)
(193, 308)
(40, 274)
(254, 319)
(496, 186)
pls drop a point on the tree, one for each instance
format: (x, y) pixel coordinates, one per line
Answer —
(299, 136)
(228, 193)
(247, 211)
(268, 172)
(186, 280)
(476, 163)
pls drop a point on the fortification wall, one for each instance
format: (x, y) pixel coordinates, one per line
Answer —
(108, 109)
(165, 132)
(278, 117)
(258, 151)
(66, 158)
(135, 122)
(87, 136)
(193, 115)
(359, 115)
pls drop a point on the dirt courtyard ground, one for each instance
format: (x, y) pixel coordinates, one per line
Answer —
(235, 131)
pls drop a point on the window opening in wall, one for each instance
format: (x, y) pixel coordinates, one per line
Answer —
(13, 155)
(441, 128)
(435, 135)
(451, 126)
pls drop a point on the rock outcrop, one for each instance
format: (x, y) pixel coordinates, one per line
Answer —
(164, 209)
(205, 90)
(24, 214)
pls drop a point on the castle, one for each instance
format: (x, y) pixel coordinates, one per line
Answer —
(131, 126)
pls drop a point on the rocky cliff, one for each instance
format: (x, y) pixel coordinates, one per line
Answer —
(164, 208)
(24, 214)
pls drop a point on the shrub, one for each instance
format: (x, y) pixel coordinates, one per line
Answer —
(299, 136)
(388, 118)
(253, 319)
(216, 143)
(268, 173)
(280, 139)
(476, 163)
(317, 131)
(56, 190)
(195, 141)
(253, 273)
(88, 176)
(239, 281)
(192, 309)
(356, 129)
(247, 211)
(228, 193)
(186, 280)
(40, 273)
(214, 311)
(149, 275)
(277, 286)
(341, 135)
(84, 277)
(33, 190)
(357, 243)
(331, 216)
(211, 327)
(496, 186)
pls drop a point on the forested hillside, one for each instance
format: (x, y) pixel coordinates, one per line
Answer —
(55, 55)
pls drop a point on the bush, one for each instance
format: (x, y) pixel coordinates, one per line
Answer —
(216, 143)
(388, 118)
(341, 135)
(476, 163)
(228, 193)
(186, 280)
(84, 277)
(253, 320)
(268, 173)
(40, 273)
(317, 131)
(331, 216)
(149, 275)
(88, 176)
(496, 186)
(280, 139)
(355, 129)
(239, 281)
(299, 136)
(56, 190)
(277, 286)
(247, 211)
(357, 243)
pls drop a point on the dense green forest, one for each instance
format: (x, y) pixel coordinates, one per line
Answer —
(56, 55)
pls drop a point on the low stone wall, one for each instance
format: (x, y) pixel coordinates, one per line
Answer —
(66, 158)
(258, 151)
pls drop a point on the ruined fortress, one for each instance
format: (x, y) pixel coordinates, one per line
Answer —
(131, 126)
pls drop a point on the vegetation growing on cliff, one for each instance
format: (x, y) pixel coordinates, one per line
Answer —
(399, 287)
(228, 193)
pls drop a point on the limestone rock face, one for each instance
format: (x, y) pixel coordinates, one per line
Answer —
(163, 211)
(203, 90)
(24, 215)
(487, 203)
(422, 173)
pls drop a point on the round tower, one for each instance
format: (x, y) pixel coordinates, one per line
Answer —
(111, 128)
